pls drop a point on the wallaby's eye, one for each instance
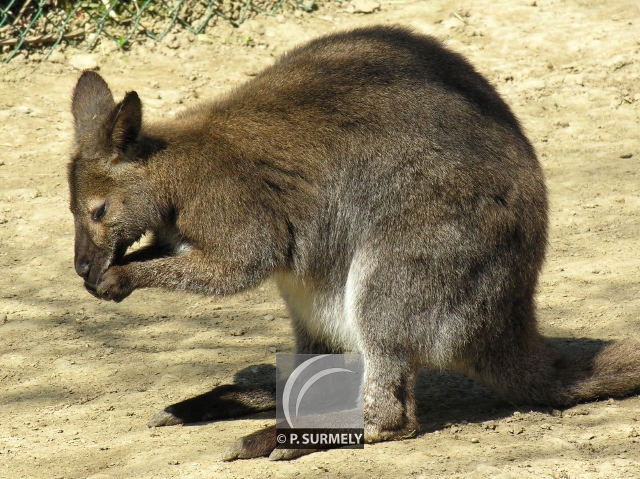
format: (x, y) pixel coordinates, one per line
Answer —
(99, 212)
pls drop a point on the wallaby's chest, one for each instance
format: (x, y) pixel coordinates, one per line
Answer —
(324, 315)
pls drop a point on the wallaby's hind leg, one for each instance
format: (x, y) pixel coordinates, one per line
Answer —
(385, 336)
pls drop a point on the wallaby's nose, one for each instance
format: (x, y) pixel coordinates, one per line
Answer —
(83, 268)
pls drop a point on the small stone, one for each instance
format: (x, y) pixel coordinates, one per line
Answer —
(259, 29)
(363, 6)
(23, 110)
(475, 440)
(273, 349)
(204, 38)
(56, 57)
(626, 156)
(84, 62)
(268, 317)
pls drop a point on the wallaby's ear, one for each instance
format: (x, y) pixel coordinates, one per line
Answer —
(127, 121)
(101, 125)
(92, 106)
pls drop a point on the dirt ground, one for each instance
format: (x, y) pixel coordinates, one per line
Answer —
(81, 377)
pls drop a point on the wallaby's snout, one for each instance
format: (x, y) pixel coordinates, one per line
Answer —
(89, 261)
(81, 258)
(82, 267)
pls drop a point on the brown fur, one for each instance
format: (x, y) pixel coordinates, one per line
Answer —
(386, 187)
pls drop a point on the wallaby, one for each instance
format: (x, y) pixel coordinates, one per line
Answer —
(385, 186)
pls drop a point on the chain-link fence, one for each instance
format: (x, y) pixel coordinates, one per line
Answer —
(46, 24)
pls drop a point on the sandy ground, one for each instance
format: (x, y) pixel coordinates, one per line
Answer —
(81, 377)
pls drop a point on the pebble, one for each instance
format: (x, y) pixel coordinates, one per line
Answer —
(363, 6)
(84, 61)
(23, 110)
(258, 28)
(57, 57)
(205, 38)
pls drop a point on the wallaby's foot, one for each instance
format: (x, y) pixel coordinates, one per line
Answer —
(259, 444)
(263, 443)
(223, 402)
(164, 418)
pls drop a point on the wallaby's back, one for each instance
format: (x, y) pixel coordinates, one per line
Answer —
(380, 130)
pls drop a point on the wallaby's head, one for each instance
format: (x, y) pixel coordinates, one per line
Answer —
(111, 200)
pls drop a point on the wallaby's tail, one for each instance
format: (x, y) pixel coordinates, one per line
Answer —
(560, 372)
(613, 371)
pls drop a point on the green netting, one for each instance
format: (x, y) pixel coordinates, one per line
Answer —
(45, 24)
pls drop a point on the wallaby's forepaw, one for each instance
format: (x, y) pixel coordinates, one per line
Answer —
(164, 418)
(115, 284)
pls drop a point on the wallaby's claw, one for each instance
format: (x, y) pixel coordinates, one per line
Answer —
(289, 454)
